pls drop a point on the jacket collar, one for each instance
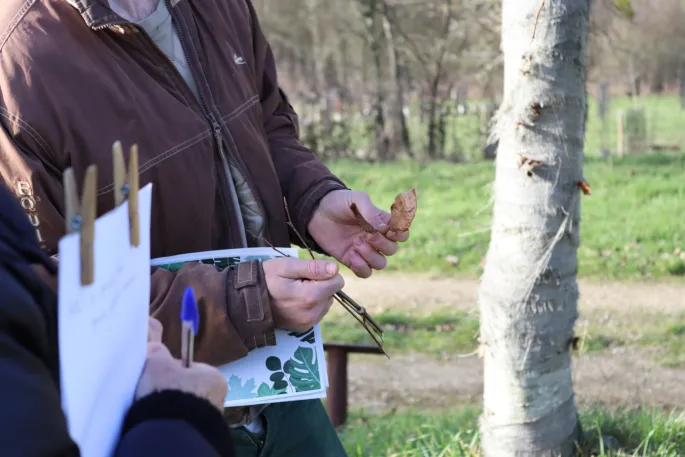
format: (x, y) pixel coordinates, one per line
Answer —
(98, 14)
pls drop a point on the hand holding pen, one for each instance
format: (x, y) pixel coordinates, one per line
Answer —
(163, 372)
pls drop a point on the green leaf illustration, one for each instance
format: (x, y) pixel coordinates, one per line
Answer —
(238, 391)
(261, 258)
(266, 391)
(303, 368)
(273, 363)
(306, 337)
(278, 376)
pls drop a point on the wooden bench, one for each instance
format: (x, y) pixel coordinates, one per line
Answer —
(336, 398)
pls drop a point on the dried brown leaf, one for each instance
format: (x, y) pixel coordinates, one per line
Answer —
(363, 223)
(403, 211)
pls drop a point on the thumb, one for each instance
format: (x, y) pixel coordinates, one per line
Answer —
(375, 216)
(154, 331)
(315, 270)
(157, 349)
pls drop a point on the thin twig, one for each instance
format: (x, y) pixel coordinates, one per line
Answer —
(292, 226)
(477, 232)
(470, 354)
(267, 242)
(362, 322)
(361, 310)
(356, 310)
(537, 19)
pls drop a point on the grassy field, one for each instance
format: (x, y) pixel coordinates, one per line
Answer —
(632, 228)
(439, 434)
(449, 333)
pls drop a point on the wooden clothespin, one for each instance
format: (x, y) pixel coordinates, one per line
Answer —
(126, 185)
(80, 214)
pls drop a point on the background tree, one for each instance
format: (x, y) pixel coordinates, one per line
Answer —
(528, 297)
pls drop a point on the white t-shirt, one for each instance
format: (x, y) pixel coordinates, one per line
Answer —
(160, 27)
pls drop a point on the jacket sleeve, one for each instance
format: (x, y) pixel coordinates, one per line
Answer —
(303, 178)
(235, 311)
(28, 392)
(174, 424)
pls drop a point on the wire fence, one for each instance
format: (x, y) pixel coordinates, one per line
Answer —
(616, 126)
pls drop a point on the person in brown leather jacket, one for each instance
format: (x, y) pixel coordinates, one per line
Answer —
(194, 84)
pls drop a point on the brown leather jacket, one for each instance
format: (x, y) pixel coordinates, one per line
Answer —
(75, 78)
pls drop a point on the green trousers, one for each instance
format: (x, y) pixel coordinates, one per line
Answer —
(296, 429)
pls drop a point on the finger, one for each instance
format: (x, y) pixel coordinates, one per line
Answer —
(376, 217)
(324, 308)
(357, 264)
(400, 237)
(315, 270)
(327, 306)
(382, 244)
(154, 330)
(370, 255)
(157, 350)
(315, 292)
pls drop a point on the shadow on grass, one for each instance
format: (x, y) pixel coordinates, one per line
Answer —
(643, 433)
(438, 334)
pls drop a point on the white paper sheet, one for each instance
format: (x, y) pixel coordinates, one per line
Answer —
(103, 328)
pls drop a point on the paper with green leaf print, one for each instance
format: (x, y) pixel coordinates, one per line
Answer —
(294, 369)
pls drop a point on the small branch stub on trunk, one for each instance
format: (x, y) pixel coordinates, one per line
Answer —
(528, 164)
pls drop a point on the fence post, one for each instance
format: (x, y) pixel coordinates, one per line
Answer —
(602, 109)
(336, 401)
(620, 140)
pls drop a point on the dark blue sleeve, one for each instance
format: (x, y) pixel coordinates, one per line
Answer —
(165, 437)
(32, 423)
(174, 423)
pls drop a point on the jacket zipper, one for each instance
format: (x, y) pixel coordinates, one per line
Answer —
(233, 191)
(216, 127)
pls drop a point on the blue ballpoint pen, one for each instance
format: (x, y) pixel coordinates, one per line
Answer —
(189, 323)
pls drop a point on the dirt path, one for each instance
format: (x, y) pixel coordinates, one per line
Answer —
(392, 291)
(622, 376)
(625, 379)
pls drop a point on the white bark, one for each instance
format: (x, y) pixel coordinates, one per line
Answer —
(528, 296)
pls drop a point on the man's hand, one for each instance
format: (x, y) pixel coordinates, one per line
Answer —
(301, 290)
(335, 228)
(163, 372)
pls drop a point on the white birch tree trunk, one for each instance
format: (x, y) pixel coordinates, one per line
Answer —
(528, 296)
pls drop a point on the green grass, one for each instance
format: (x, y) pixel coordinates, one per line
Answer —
(442, 434)
(662, 333)
(446, 333)
(632, 225)
(437, 334)
(669, 339)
